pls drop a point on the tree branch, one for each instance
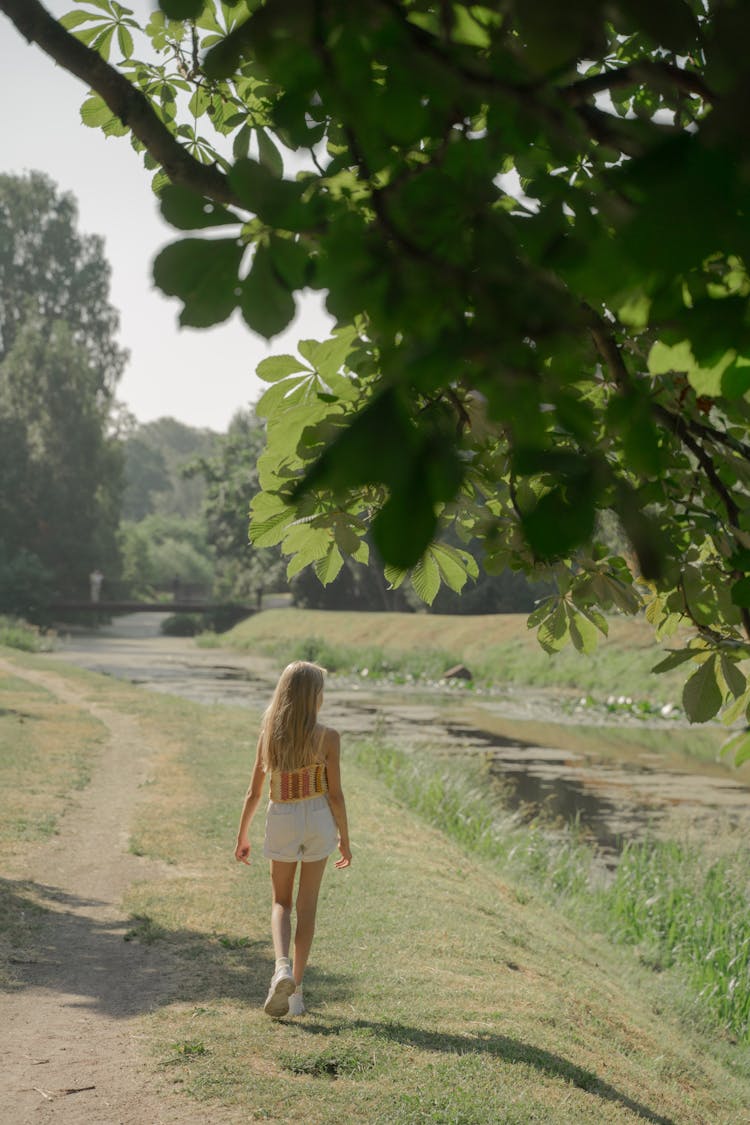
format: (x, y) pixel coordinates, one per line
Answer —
(681, 429)
(636, 73)
(610, 355)
(707, 433)
(132, 107)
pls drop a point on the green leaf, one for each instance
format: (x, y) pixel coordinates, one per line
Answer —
(103, 43)
(735, 709)
(329, 566)
(451, 564)
(542, 610)
(735, 381)
(269, 154)
(739, 746)
(405, 525)
(669, 626)
(733, 676)
(740, 592)
(277, 202)
(241, 142)
(583, 633)
(308, 543)
(95, 113)
(664, 358)
(554, 631)
(425, 578)
(75, 19)
(670, 23)
(674, 660)
(290, 261)
(701, 695)
(596, 618)
(278, 367)
(394, 575)
(267, 533)
(182, 9)
(188, 211)
(203, 274)
(562, 519)
(266, 304)
(124, 41)
(346, 538)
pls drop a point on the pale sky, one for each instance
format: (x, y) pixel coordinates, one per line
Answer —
(198, 376)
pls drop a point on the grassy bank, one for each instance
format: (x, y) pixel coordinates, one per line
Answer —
(442, 988)
(497, 648)
(15, 633)
(685, 908)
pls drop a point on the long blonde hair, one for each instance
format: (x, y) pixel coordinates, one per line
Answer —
(291, 717)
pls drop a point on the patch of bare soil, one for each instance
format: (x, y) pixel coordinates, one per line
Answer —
(69, 1048)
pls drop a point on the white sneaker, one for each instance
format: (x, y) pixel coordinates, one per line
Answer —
(282, 987)
(296, 1004)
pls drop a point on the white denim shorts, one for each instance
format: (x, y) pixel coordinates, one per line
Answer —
(300, 830)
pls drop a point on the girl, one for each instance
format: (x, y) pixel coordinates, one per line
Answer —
(306, 813)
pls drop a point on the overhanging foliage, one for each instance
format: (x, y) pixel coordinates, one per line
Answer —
(530, 220)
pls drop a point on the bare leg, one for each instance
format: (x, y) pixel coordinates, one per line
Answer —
(311, 876)
(282, 885)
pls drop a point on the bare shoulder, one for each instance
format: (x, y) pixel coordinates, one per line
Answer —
(330, 742)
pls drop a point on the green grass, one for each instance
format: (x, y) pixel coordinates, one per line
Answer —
(18, 634)
(499, 649)
(367, 660)
(47, 752)
(441, 988)
(682, 908)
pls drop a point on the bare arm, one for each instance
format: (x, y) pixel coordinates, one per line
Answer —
(332, 745)
(252, 800)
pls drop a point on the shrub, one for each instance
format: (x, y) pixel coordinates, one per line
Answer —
(181, 625)
(15, 633)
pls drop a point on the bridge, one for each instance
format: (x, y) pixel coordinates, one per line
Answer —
(105, 606)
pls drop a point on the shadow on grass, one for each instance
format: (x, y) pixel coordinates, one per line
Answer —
(124, 967)
(20, 716)
(500, 1047)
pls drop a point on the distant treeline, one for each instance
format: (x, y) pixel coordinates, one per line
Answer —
(153, 507)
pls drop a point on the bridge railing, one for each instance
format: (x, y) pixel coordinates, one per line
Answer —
(115, 590)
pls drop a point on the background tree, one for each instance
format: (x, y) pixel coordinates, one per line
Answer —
(231, 482)
(156, 456)
(167, 554)
(531, 224)
(246, 572)
(50, 272)
(60, 461)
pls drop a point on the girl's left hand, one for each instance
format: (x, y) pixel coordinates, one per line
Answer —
(242, 853)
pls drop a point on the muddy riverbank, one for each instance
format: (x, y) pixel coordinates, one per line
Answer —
(620, 783)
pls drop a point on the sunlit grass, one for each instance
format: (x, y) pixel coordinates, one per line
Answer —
(683, 909)
(498, 649)
(442, 988)
(47, 752)
(18, 634)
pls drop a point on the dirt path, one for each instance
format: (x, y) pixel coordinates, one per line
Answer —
(69, 1050)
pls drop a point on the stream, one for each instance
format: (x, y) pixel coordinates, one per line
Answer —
(538, 758)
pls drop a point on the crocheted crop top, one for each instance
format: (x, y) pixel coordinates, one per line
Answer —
(300, 784)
